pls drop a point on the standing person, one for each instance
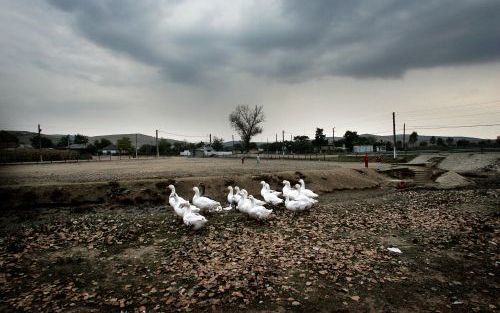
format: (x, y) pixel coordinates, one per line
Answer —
(379, 161)
(243, 160)
(258, 159)
(366, 159)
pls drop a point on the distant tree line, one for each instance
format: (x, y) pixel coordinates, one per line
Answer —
(247, 118)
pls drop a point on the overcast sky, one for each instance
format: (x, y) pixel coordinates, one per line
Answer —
(102, 67)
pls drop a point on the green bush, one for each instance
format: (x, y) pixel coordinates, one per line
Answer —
(32, 155)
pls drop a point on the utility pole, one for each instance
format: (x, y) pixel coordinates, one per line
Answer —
(232, 136)
(276, 143)
(333, 138)
(404, 138)
(210, 136)
(283, 142)
(40, 142)
(157, 150)
(136, 145)
(69, 152)
(394, 133)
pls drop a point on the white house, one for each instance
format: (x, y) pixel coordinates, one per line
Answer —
(109, 149)
(205, 151)
(185, 153)
(208, 151)
(362, 149)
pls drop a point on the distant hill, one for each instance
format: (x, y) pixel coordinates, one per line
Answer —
(141, 139)
(420, 137)
(399, 137)
(25, 136)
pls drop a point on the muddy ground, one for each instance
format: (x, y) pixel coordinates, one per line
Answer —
(333, 258)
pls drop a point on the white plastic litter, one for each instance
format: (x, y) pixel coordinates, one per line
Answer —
(395, 250)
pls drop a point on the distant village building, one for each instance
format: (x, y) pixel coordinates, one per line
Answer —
(208, 151)
(205, 151)
(78, 146)
(185, 153)
(362, 149)
(109, 149)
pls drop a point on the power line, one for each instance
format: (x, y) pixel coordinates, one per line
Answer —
(453, 116)
(450, 106)
(453, 126)
(181, 135)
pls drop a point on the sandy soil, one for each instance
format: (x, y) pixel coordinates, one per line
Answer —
(144, 169)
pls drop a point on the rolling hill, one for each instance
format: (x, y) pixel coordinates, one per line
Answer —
(25, 136)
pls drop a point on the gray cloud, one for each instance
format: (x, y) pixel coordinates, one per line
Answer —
(292, 40)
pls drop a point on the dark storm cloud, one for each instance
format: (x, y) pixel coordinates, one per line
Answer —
(292, 40)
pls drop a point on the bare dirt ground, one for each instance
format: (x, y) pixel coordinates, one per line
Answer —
(333, 258)
(34, 174)
(463, 162)
(94, 237)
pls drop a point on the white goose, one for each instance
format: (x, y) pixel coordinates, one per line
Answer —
(244, 204)
(237, 194)
(174, 198)
(268, 196)
(192, 219)
(230, 196)
(303, 197)
(259, 202)
(175, 202)
(257, 211)
(296, 205)
(289, 191)
(277, 193)
(178, 208)
(204, 203)
(307, 192)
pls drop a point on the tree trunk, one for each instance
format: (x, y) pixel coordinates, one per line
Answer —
(246, 144)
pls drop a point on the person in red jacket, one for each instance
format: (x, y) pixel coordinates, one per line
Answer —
(366, 159)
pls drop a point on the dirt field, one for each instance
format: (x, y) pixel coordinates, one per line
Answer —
(94, 237)
(334, 258)
(152, 169)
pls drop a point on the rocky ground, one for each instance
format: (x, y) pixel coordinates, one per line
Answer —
(334, 258)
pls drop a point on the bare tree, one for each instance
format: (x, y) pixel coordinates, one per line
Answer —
(246, 121)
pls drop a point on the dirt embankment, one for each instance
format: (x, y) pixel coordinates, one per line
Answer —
(153, 191)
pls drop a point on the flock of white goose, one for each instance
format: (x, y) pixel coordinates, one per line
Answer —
(296, 199)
